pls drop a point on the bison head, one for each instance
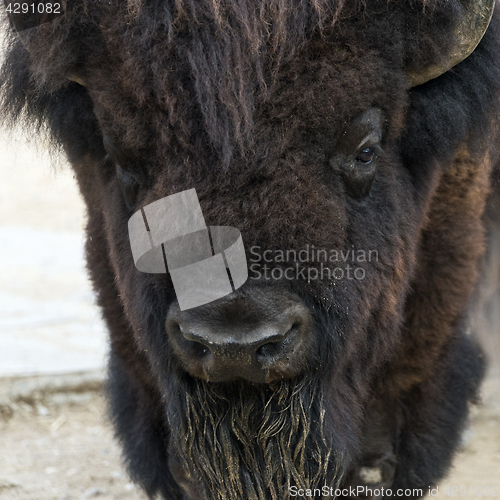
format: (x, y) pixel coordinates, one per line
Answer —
(329, 127)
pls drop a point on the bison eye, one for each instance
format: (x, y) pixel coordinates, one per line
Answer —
(129, 186)
(357, 151)
(359, 176)
(358, 170)
(366, 156)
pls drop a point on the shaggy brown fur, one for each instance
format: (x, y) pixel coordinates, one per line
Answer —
(236, 455)
(246, 101)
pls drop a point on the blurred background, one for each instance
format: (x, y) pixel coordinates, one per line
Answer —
(55, 441)
(48, 321)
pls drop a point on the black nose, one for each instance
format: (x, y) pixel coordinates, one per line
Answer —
(260, 337)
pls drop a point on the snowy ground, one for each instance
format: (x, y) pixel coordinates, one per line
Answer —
(48, 320)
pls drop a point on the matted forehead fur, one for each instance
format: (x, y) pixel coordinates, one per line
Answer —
(207, 67)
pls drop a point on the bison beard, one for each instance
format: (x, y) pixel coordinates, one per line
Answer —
(252, 442)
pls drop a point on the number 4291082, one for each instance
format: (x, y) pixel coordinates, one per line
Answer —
(473, 491)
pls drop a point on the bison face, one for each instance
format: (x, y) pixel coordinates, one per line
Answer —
(263, 387)
(299, 130)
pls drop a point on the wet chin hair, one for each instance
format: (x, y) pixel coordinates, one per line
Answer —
(251, 442)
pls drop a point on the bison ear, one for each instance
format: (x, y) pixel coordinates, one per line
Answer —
(467, 31)
(26, 24)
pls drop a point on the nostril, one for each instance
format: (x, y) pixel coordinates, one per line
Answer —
(268, 350)
(275, 346)
(198, 350)
(192, 345)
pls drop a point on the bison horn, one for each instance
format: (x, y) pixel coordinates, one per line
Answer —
(77, 79)
(468, 31)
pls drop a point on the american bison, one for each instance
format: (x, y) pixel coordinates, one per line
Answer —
(360, 133)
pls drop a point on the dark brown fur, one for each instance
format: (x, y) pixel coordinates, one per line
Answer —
(245, 101)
